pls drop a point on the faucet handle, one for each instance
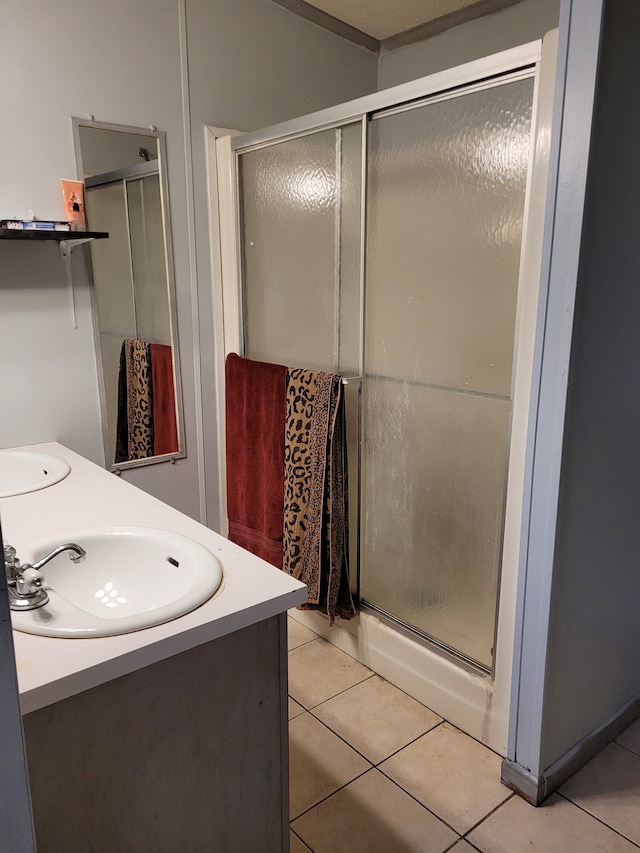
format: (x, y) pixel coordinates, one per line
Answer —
(29, 582)
(11, 563)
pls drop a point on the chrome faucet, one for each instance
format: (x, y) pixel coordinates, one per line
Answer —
(25, 581)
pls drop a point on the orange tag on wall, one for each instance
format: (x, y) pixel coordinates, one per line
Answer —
(73, 199)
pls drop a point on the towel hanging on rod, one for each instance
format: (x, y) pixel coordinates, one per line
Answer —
(287, 475)
(316, 517)
(255, 417)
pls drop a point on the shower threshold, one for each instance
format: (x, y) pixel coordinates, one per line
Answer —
(415, 634)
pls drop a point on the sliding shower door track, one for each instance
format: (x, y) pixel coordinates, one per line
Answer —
(412, 633)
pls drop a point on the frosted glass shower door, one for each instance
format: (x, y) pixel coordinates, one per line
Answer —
(300, 216)
(300, 204)
(446, 195)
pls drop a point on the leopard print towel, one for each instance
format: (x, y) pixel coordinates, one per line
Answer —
(135, 402)
(316, 534)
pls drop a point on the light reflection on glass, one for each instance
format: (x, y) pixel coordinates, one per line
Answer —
(312, 187)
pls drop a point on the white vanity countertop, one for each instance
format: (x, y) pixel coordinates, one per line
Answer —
(51, 669)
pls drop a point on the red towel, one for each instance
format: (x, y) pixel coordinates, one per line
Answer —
(165, 431)
(255, 419)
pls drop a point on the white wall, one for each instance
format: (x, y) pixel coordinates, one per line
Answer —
(249, 63)
(515, 25)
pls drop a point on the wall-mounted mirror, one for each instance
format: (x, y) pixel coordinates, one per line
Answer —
(134, 297)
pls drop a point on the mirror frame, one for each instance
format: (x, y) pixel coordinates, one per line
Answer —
(159, 136)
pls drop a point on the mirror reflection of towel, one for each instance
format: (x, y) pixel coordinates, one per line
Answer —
(146, 423)
(165, 430)
(134, 438)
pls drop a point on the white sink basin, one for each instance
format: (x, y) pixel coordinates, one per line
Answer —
(131, 578)
(23, 471)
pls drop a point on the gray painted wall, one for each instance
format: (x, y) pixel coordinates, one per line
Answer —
(252, 69)
(248, 63)
(511, 27)
(594, 631)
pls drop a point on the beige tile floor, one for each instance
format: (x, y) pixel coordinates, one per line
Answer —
(373, 770)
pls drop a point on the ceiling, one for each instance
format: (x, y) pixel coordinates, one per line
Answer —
(392, 23)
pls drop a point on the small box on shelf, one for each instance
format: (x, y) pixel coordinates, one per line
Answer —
(34, 225)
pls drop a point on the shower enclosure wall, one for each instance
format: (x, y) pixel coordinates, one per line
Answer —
(396, 240)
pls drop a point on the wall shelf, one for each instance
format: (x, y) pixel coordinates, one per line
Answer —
(58, 236)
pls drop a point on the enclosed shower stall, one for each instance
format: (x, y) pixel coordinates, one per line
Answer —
(395, 240)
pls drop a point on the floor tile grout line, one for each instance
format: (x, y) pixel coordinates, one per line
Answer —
(457, 841)
(595, 817)
(377, 766)
(300, 645)
(372, 765)
(315, 636)
(355, 748)
(344, 740)
(295, 716)
(466, 841)
(337, 648)
(460, 836)
(339, 693)
(379, 769)
(329, 643)
(426, 707)
(303, 643)
(328, 797)
(409, 743)
(420, 803)
(627, 748)
(300, 839)
(373, 674)
(509, 797)
(385, 680)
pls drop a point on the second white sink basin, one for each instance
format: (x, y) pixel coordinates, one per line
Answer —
(23, 471)
(131, 578)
